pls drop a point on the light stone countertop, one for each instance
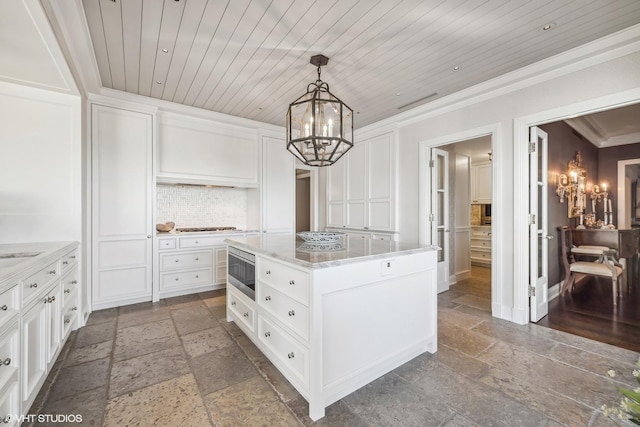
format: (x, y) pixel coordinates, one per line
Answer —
(292, 249)
(13, 261)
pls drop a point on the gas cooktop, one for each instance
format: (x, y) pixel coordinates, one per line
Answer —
(196, 229)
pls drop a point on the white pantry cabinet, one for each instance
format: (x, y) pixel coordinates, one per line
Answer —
(122, 197)
(361, 187)
(277, 189)
(201, 151)
(481, 184)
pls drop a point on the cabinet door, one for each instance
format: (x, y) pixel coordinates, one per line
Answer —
(356, 187)
(34, 351)
(336, 185)
(481, 184)
(380, 183)
(278, 187)
(54, 324)
(122, 200)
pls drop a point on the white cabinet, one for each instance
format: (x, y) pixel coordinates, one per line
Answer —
(201, 151)
(34, 351)
(481, 246)
(481, 184)
(361, 188)
(122, 198)
(277, 189)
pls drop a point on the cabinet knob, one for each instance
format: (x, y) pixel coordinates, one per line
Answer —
(196, 242)
(177, 260)
(67, 291)
(72, 257)
(74, 282)
(291, 355)
(233, 303)
(267, 298)
(51, 272)
(67, 321)
(65, 262)
(197, 259)
(74, 308)
(177, 279)
(292, 313)
(148, 236)
(33, 285)
(292, 282)
(268, 272)
(4, 307)
(197, 276)
(6, 362)
(246, 314)
(267, 334)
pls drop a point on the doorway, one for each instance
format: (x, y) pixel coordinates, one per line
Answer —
(306, 198)
(467, 231)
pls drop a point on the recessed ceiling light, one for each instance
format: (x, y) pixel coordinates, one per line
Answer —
(456, 68)
(548, 26)
(398, 94)
(158, 82)
(165, 50)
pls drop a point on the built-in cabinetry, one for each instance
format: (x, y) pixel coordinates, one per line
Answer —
(191, 263)
(481, 245)
(277, 187)
(193, 150)
(122, 200)
(361, 187)
(481, 184)
(39, 306)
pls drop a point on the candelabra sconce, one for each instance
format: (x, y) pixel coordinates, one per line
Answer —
(572, 187)
(600, 193)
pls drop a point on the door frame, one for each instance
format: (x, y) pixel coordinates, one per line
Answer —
(521, 127)
(424, 202)
(314, 193)
(622, 164)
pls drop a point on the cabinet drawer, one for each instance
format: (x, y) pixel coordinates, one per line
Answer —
(185, 278)
(240, 309)
(9, 354)
(481, 243)
(180, 261)
(37, 281)
(481, 255)
(166, 244)
(290, 312)
(10, 403)
(197, 242)
(69, 285)
(9, 304)
(69, 261)
(292, 356)
(292, 282)
(69, 318)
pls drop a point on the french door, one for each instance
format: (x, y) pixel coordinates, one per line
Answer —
(440, 213)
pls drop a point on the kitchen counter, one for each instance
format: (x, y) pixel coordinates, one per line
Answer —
(17, 257)
(292, 249)
(333, 321)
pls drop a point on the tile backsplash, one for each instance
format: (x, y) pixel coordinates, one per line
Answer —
(200, 206)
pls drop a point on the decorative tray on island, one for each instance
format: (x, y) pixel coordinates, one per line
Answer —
(317, 237)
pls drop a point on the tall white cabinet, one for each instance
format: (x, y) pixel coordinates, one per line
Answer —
(122, 200)
(277, 189)
(481, 183)
(361, 187)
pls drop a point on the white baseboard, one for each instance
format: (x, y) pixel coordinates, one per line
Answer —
(461, 275)
(554, 291)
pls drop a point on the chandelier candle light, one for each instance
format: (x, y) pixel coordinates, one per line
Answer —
(319, 125)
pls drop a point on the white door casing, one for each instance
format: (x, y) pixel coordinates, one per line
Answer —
(439, 164)
(538, 233)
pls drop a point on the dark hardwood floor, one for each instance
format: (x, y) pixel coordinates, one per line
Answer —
(589, 313)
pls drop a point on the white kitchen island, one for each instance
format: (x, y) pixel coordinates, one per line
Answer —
(333, 321)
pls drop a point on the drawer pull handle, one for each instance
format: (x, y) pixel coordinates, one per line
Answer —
(7, 361)
(233, 303)
(177, 260)
(267, 334)
(74, 282)
(72, 257)
(33, 285)
(268, 271)
(196, 242)
(51, 272)
(246, 314)
(67, 291)
(67, 321)
(292, 313)
(267, 298)
(291, 355)
(4, 307)
(65, 262)
(74, 308)
(292, 282)
(197, 259)
(197, 276)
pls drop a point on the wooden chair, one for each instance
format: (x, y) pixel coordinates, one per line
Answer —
(605, 266)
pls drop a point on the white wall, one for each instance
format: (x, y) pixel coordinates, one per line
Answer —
(603, 83)
(40, 164)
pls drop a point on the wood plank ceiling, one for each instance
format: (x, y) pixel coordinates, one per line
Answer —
(250, 58)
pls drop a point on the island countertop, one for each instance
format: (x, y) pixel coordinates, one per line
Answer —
(292, 249)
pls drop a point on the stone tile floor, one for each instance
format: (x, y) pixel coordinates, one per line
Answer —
(179, 363)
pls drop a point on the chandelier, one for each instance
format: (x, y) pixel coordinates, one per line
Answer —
(319, 125)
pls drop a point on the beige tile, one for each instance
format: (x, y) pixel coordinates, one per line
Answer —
(184, 301)
(458, 318)
(94, 334)
(250, 403)
(88, 353)
(132, 374)
(145, 338)
(221, 368)
(206, 341)
(89, 405)
(336, 415)
(148, 313)
(483, 304)
(498, 330)
(464, 340)
(193, 319)
(278, 382)
(171, 403)
(80, 378)
(218, 301)
(102, 316)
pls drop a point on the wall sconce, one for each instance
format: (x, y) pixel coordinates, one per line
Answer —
(572, 187)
